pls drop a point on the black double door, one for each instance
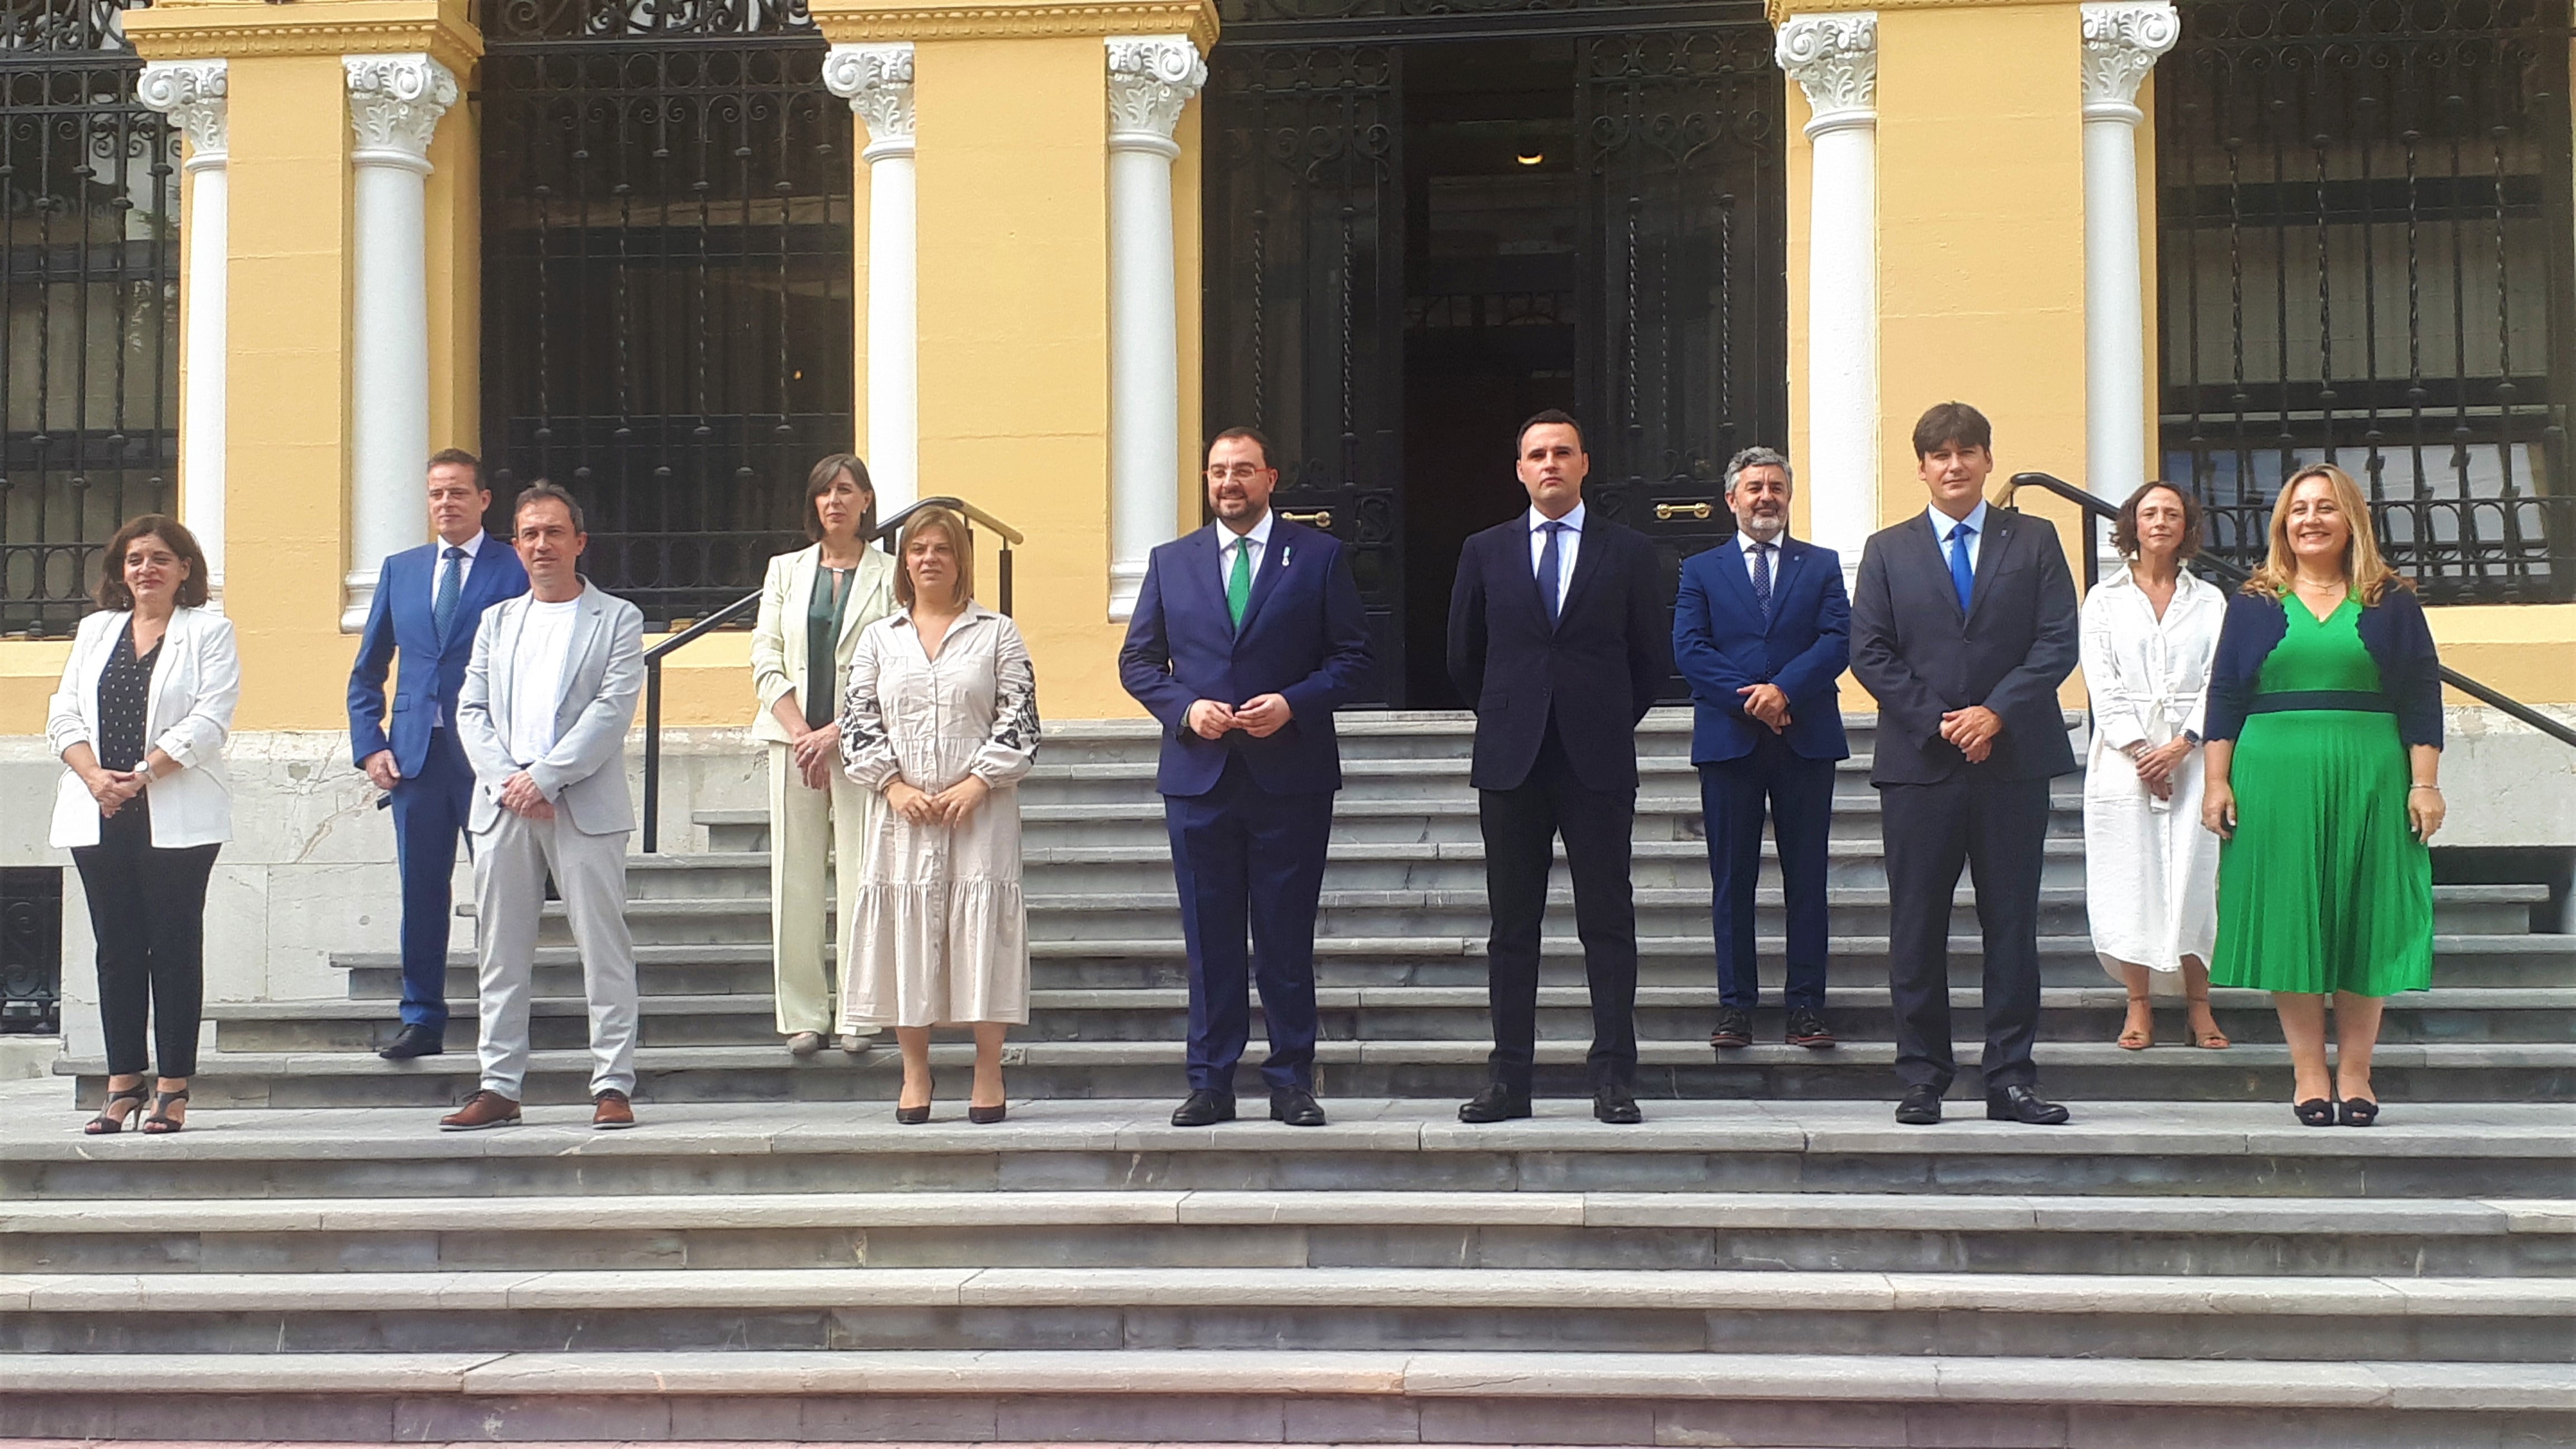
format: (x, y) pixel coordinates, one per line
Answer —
(1414, 242)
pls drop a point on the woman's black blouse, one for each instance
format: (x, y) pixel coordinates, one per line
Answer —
(124, 694)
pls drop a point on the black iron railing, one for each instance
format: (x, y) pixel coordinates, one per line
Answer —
(734, 613)
(31, 950)
(2228, 574)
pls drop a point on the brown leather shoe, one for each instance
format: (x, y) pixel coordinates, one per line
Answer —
(483, 1109)
(611, 1110)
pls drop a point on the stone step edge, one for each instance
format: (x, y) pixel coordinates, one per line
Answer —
(1823, 1378)
(1772, 1211)
(1422, 1289)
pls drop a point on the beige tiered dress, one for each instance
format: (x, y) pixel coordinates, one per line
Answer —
(939, 928)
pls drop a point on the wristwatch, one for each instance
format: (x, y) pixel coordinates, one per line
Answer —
(2193, 736)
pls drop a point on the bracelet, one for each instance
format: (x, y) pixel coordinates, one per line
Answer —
(2436, 789)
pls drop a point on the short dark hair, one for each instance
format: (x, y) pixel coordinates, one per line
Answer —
(1549, 415)
(458, 457)
(1955, 424)
(1250, 435)
(112, 592)
(832, 466)
(539, 492)
(2124, 531)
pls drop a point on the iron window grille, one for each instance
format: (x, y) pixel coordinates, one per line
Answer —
(31, 950)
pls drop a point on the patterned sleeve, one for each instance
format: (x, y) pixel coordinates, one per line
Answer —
(867, 751)
(1012, 748)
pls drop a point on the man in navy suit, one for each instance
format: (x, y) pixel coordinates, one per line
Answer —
(1247, 635)
(428, 601)
(1762, 630)
(1963, 627)
(1558, 641)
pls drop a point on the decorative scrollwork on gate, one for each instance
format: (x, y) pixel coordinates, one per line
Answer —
(710, 20)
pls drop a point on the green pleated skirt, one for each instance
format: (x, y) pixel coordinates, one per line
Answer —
(2324, 887)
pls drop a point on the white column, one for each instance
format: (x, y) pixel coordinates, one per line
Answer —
(1834, 59)
(1151, 78)
(2121, 43)
(394, 105)
(877, 82)
(191, 93)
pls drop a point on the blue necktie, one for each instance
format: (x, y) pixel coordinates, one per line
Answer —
(1962, 577)
(451, 579)
(1762, 578)
(1547, 569)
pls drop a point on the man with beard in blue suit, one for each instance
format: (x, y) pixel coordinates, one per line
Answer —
(1247, 635)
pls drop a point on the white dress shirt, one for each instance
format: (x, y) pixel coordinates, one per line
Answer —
(1746, 543)
(545, 642)
(1227, 541)
(1942, 523)
(1568, 544)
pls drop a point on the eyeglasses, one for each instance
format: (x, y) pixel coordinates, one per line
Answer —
(1240, 472)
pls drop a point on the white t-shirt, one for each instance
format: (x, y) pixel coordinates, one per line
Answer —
(545, 642)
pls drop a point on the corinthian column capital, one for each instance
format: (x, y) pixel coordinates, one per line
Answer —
(190, 93)
(394, 104)
(2122, 39)
(1151, 78)
(1834, 59)
(876, 79)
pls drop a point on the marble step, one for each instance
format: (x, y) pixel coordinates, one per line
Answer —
(2113, 1148)
(1836, 1401)
(1320, 1228)
(2455, 1015)
(1093, 781)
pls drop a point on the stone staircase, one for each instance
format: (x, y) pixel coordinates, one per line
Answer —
(1769, 1261)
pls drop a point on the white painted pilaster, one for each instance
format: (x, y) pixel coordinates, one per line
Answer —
(394, 105)
(1151, 79)
(877, 82)
(2121, 43)
(191, 93)
(1834, 59)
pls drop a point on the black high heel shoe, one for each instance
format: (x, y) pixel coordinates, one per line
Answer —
(915, 1116)
(107, 1125)
(986, 1116)
(2316, 1112)
(2359, 1112)
(161, 1123)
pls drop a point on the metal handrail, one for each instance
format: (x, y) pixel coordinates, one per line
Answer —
(884, 533)
(2228, 574)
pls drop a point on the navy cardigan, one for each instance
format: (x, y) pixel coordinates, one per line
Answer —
(2393, 630)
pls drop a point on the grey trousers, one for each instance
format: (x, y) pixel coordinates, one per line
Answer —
(511, 862)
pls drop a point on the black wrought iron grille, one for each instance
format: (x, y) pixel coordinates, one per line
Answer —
(667, 272)
(89, 305)
(31, 950)
(2365, 233)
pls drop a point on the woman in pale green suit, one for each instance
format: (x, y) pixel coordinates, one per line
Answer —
(813, 604)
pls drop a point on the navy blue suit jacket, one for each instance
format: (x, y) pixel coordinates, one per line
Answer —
(1597, 671)
(1721, 645)
(433, 669)
(1303, 638)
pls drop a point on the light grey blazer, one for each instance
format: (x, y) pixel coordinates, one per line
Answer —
(585, 773)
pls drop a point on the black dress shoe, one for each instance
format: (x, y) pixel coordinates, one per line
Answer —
(1295, 1106)
(1734, 1028)
(1920, 1108)
(2021, 1104)
(1807, 1029)
(1496, 1103)
(1205, 1109)
(413, 1041)
(1613, 1104)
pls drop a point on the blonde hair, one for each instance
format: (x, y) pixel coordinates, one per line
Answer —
(2364, 570)
(943, 520)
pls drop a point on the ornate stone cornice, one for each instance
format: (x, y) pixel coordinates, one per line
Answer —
(1779, 11)
(395, 102)
(436, 28)
(191, 93)
(2121, 42)
(1834, 59)
(877, 82)
(1151, 79)
(853, 21)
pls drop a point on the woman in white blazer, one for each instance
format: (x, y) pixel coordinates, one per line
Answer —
(140, 720)
(813, 603)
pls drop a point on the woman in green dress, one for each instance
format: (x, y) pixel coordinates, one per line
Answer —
(2325, 707)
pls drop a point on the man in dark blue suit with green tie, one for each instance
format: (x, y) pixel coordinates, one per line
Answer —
(428, 601)
(1247, 635)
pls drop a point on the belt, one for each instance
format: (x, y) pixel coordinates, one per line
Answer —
(2367, 701)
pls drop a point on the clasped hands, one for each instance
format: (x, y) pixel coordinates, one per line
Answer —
(1261, 717)
(949, 807)
(1973, 731)
(2156, 765)
(112, 788)
(1765, 702)
(816, 752)
(521, 797)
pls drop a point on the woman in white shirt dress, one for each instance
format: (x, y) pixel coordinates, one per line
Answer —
(940, 717)
(2150, 868)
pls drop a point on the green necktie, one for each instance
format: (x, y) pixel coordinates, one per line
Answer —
(1238, 584)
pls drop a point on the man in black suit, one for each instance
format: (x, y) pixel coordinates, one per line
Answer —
(1559, 642)
(1963, 626)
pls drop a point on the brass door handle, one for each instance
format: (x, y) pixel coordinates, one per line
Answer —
(1670, 511)
(1320, 518)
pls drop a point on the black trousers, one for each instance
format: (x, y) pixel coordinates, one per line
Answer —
(1998, 829)
(1521, 826)
(147, 907)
